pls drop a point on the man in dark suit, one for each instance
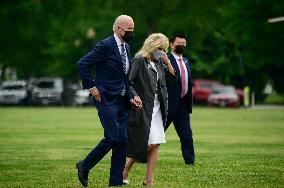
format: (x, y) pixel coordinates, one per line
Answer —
(180, 98)
(112, 98)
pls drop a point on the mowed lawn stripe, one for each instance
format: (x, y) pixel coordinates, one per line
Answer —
(234, 148)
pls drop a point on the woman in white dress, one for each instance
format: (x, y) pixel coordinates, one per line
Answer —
(150, 70)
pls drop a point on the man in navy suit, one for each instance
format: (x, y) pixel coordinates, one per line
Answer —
(180, 97)
(112, 98)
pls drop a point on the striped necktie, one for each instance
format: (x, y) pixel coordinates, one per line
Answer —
(123, 57)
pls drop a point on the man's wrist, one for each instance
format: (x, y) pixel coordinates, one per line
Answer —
(92, 88)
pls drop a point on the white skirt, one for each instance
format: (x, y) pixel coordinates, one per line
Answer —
(157, 133)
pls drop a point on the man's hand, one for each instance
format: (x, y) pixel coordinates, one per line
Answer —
(95, 93)
(136, 102)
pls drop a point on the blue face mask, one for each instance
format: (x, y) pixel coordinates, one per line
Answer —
(158, 54)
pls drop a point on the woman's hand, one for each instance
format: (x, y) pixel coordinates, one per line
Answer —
(136, 102)
(165, 59)
(168, 64)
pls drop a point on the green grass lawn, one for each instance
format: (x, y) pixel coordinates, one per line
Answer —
(234, 148)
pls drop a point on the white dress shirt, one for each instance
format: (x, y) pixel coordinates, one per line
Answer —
(118, 42)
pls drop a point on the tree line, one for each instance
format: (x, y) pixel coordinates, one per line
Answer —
(228, 40)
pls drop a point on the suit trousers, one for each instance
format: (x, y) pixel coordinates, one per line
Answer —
(181, 121)
(114, 121)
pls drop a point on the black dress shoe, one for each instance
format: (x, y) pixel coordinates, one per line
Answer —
(119, 185)
(82, 174)
(189, 163)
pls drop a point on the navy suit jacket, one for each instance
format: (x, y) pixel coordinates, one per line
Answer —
(109, 75)
(174, 89)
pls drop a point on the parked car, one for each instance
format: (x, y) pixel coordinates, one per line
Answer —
(15, 92)
(202, 88)
(224, 96)
(47, 91)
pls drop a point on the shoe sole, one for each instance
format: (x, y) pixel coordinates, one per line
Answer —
(77, 166)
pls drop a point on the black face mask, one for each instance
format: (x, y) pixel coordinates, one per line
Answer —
(128, 35)
(180, 49)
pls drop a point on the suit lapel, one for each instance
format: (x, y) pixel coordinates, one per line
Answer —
(159, 67)
(115, 49)
(188, 72)
(187, 65)
(149, 66)
(129, 58)
(128, 52)
(175, 65)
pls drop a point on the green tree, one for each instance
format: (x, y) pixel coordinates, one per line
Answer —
(257, 41)
(229, 40)
(22, 37)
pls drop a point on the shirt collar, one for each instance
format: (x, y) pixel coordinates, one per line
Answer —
(177, 57)
(118, 41)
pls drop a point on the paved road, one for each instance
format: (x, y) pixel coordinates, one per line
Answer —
(268, 107)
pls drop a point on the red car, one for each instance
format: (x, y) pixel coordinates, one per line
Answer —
(201, 89)
(224, 96)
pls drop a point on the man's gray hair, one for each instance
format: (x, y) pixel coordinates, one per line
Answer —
(119, 20)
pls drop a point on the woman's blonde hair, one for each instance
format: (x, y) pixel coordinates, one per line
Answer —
(153, 42)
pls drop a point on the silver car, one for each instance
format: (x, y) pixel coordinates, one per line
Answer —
(47, 91)
(224, 96)
(15, 92)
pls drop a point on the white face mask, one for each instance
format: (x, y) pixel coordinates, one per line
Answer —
(158, 54)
